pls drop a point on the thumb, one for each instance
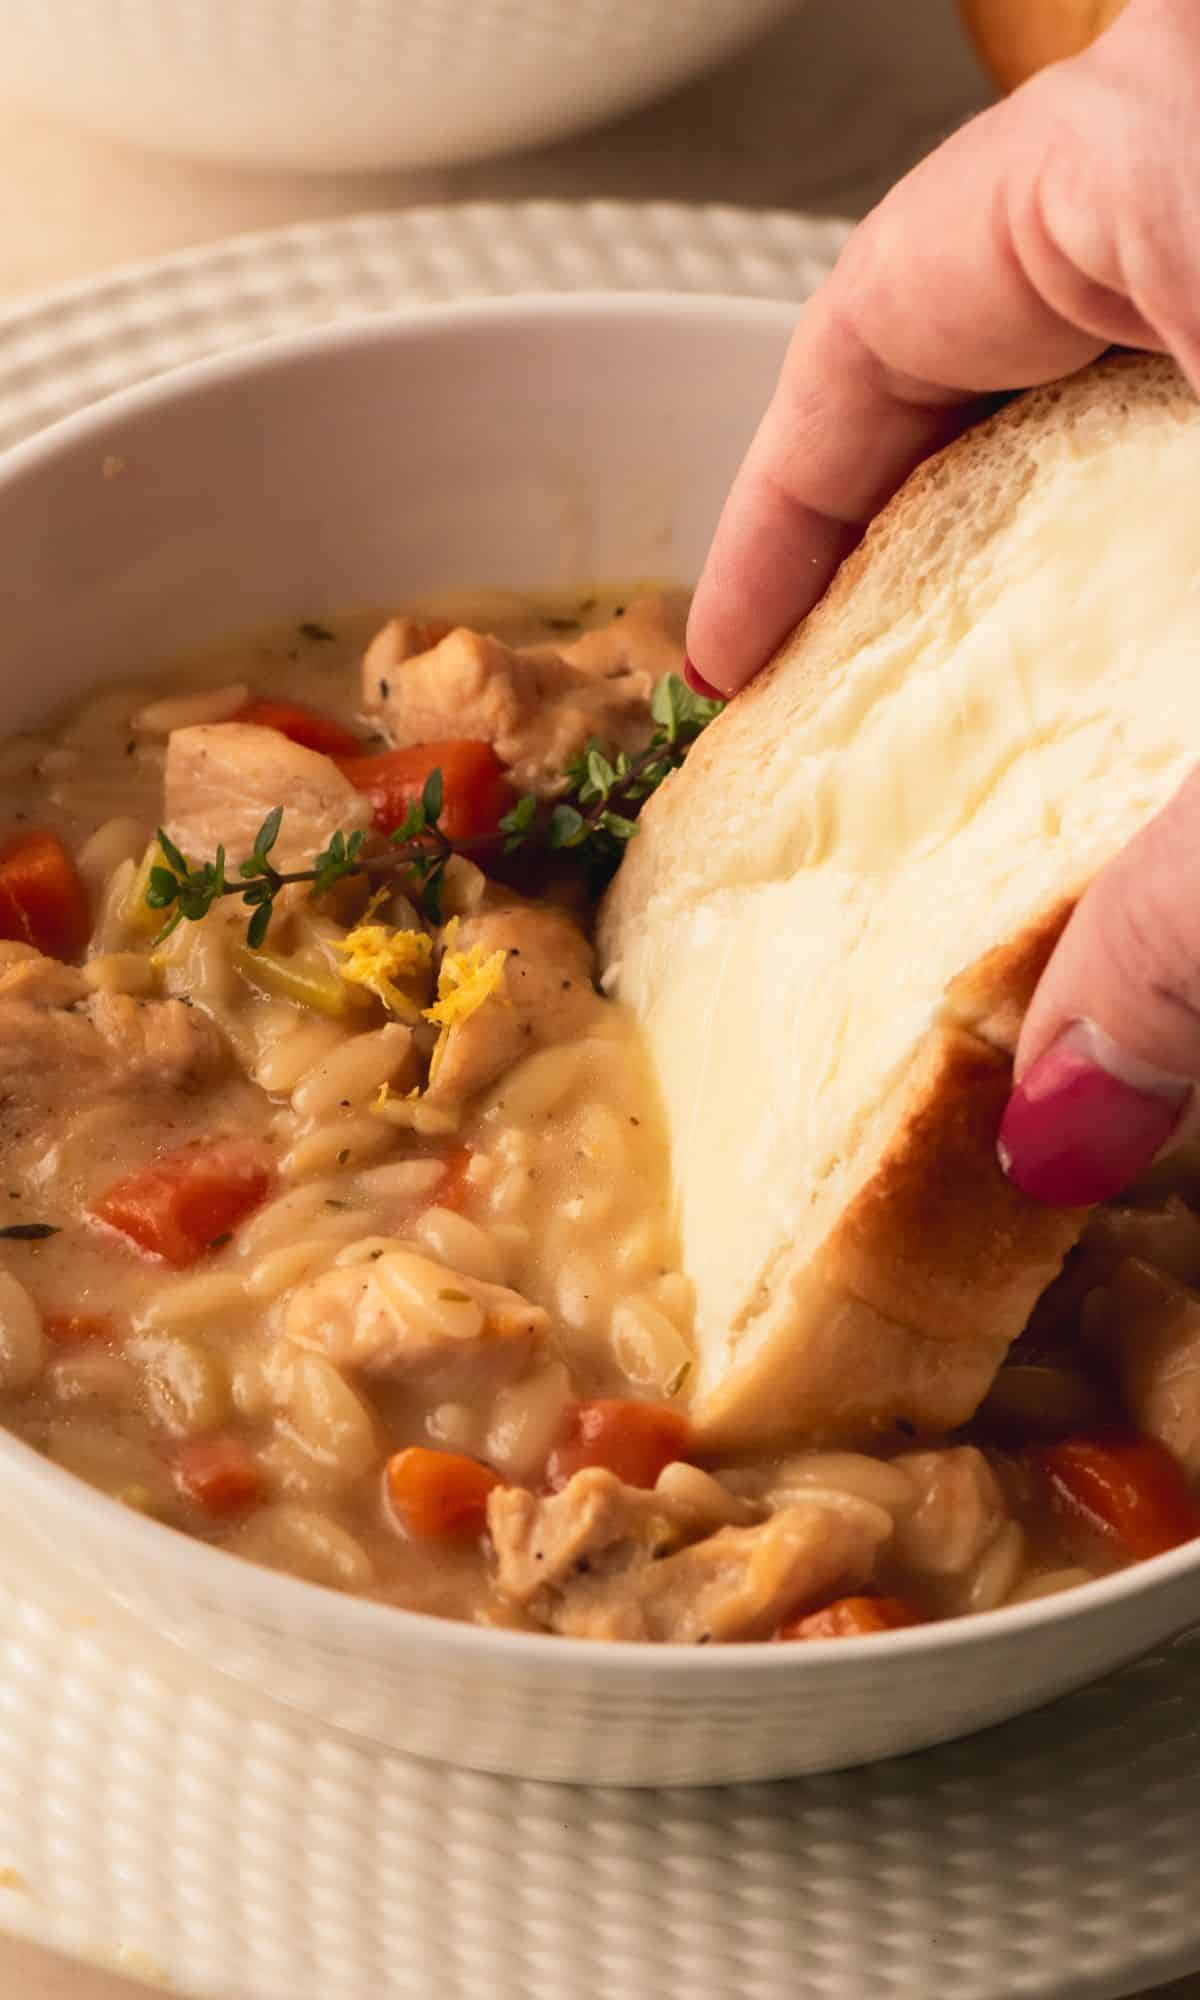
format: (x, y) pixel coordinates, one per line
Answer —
(1109, 1056)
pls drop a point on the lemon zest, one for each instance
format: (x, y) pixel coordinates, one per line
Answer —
(386, 1094)
(137, 912)
(376, 956)
(466, 979)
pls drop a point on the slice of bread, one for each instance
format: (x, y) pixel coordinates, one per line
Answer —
(832, 919)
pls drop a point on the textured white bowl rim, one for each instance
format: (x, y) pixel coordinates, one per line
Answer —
(253, 1591)
(824, 236)
(63, 348)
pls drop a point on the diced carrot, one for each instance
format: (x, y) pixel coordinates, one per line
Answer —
(75, 1329)
(454, 1188)
(852, 1618)
(1127, 1495)
(302, 725)
(438, 1495)
(634, 1440)
(42, 900)
(475, 791)
(220, 1474)
(188, 1201)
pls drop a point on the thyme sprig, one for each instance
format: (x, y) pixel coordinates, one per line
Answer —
(595, 819)
(607, 787)
(418, 846)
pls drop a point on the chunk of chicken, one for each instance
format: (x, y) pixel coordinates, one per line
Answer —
(546, 996)
(397, 642)
(537, 707)
(647, 640)
(739, 1583)
(596, 1521)
(601, 1561)
(439, 1334)
(222, 779)
(43, 982)
(159, 1044)
(51, 1060)
(136, 1067)
(960, 1512)
(1154, 1325)
(55, 1057)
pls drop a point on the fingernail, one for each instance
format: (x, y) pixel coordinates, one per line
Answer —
(1076, 1130)
(698, 685)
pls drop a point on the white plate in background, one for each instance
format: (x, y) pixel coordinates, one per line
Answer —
(325, 86)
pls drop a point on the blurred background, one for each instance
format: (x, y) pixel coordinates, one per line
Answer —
(273, 111)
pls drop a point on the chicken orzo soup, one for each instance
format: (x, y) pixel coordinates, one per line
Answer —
(337, 1223)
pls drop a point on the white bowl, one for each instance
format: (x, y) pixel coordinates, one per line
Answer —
(528, 443)
(338, 84)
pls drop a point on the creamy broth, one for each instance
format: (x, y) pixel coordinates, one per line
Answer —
(438, 1336)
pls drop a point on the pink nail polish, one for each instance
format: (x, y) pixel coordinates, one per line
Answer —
(1073, 1133)
(699, 685)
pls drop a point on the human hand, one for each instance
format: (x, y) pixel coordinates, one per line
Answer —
(1058, 223)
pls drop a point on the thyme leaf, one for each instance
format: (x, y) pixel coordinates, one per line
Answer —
(594, 819)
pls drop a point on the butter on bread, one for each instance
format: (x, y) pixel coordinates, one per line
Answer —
(833, 917)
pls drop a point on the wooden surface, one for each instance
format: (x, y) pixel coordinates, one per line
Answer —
(823, 115)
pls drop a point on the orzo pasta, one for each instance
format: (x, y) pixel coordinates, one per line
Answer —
(338, 1223)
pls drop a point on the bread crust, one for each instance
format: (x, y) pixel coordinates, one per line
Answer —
(937, 1186)
(991, 997)
(935, 1260)
(929, 1273)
